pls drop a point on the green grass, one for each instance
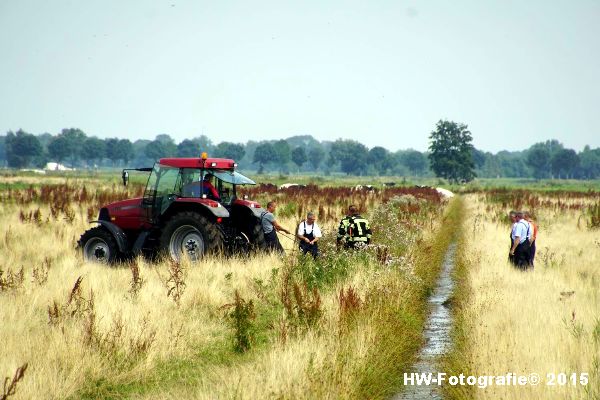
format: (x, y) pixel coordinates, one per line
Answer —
(187, 371)
(182, 371)
(399, 325)
(113, 175)
(14, 186)
(548, 185)
(455, 362)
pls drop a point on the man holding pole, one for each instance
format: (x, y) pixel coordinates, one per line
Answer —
(270, 228)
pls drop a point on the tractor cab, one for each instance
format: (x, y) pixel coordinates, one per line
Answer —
(195, 184)
(168, 184)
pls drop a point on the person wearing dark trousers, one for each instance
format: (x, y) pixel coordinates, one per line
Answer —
(520, 248)
(534, 230)
(308, 234)
(513, 219)
(270, 228)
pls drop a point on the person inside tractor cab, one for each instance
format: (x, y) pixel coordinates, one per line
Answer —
(189, 186)
(208, 188)
(192, 187)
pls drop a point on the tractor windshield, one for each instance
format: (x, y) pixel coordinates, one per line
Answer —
(233, 177)
(220, 187)
(162, 181)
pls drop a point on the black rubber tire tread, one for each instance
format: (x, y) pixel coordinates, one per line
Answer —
(257, 235)
(102, 233)
(212, 236)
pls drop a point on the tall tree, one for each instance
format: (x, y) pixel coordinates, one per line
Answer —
(513, 164)
(94, 149)
(193, 147)
(21, 149)
(162, 146)
(190, 148)
(306, 141)
(283, 154)
(478, 158)
(316, 154)
(234, 151)
(155, 150)
(589, 166)
(165, 138)
(112, 149)
(45, 139)
(264, 154)
(124, 151)
(415, 161)
(2, 150)
(351, 155)
(59, 148)
(73, 139)
(538, 158)
(564, 162)
(451, 151)
(491, 167)
(379, 159)
(139, 155)
(299, 156)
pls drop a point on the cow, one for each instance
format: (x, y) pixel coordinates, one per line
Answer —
(291, 186)
(445, 193)
(367, 188)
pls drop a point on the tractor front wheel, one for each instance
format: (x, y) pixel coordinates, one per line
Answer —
(98, 245)
(190, 234)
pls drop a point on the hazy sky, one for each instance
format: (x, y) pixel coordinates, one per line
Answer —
(381, 72)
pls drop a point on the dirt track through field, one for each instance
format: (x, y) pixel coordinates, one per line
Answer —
(436, 334)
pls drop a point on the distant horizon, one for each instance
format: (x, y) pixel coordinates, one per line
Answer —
(295, 135)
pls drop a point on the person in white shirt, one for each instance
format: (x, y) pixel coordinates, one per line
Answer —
(309, 233)
(520, 235)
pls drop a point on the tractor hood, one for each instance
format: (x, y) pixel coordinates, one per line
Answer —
(125, 208)
(126, 214)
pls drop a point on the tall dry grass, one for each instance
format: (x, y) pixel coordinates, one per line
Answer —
(158, 329)
(545, 321)
(367, 334)
(128, 319)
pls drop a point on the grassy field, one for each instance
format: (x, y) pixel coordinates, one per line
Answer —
(17, 179)
(346, 326)
(545, 321)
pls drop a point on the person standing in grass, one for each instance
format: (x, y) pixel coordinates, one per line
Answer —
(520, 242)
(309, 234)
(270, 228)
(534, 230)
(354, 230)
(513, 219)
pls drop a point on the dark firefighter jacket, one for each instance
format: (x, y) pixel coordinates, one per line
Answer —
(354, 229)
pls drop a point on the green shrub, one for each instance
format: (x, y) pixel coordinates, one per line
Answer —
(241, 318)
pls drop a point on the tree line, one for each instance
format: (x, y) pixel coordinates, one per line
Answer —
(72, 147)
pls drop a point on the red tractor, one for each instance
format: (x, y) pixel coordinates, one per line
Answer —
(181, 214)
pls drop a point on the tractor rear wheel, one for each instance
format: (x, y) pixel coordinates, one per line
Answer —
(257, 235)
(191, 234)
(98, 245)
